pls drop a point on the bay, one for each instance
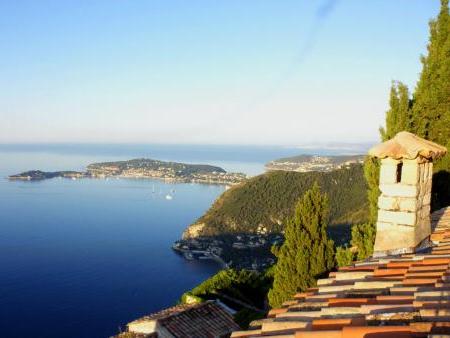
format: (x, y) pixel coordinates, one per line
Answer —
(81, 258)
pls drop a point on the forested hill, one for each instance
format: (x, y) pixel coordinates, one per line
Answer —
(266, 200)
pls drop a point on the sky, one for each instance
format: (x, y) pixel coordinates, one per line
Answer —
(264, 72)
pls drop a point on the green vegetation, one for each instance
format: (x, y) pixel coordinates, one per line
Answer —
(245, 286)
(182, 169)
(306, 253)
(37, 175)
(243, 290)
(363, 237)
(431, 108)
(269, 199)
(344, 256)
(431, 104)
(398, 117)
(426, 114)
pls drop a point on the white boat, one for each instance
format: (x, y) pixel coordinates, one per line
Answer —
(188, 256)
(168, 197)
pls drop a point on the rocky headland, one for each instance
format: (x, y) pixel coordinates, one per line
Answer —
(143, 168)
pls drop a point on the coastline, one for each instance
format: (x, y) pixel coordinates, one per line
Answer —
(202, 255)
(165, 179)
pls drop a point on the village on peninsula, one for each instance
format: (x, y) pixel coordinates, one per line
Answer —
(145, 169)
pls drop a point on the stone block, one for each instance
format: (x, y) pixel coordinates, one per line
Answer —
(388, 173)
(392, 237)
(388, 203)
(424, 188)
(426, 199)
(410, 172)
(430, 170)
(397, 217)
(422, 230)
(398, 203)
(389, 161)
(399, 190)
(409, 204)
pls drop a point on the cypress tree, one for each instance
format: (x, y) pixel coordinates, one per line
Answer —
(398, 117)
(431, 110)
(431, 118)
(427, 115)
(306, 253)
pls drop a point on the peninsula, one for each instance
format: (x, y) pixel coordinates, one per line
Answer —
(143, 168)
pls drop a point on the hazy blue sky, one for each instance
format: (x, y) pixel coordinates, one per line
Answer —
(244, 71)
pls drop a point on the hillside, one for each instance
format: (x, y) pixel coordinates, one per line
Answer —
(262, 203)
(181, 169)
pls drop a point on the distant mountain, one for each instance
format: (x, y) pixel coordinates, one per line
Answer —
(304, 163)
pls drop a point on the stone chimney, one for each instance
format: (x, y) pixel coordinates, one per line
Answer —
(405, 182)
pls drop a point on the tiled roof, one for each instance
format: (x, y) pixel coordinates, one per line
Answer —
(204, 320)
(396, 296)
(167, 312)
(408, 146)
(136, 335)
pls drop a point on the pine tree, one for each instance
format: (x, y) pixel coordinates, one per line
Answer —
(307, 253)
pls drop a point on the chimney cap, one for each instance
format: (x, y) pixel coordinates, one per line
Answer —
(408, 146)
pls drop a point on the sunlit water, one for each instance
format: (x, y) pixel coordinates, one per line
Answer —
(81, 258)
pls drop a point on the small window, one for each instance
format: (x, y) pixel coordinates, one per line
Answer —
(399, 172)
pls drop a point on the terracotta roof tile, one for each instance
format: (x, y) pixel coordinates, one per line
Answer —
(204, 320)
(396, 296)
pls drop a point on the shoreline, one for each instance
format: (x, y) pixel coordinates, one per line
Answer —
(213, 257)
(166, 179)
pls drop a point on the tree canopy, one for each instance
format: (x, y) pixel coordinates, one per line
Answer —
(307, 253)
(426, 114)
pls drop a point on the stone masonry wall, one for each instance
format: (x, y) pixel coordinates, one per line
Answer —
(403, 207)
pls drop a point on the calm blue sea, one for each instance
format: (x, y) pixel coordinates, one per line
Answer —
(81, 258)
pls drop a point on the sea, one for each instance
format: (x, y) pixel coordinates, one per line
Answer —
(81, 258)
